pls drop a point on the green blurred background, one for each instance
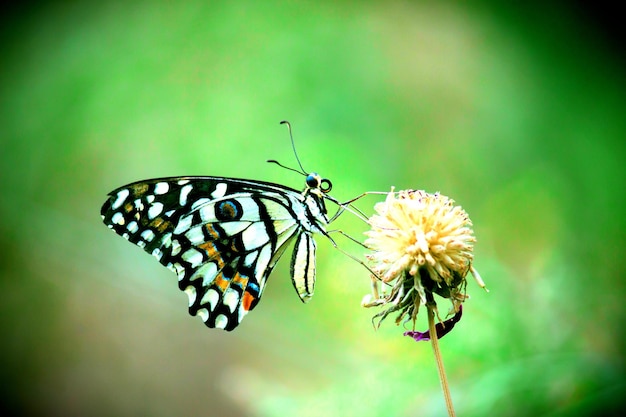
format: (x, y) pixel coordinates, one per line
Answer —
(517, 114)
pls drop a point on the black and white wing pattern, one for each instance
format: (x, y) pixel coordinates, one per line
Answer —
(222, 236)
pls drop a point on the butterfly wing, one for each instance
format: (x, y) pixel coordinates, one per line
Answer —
(221, 236)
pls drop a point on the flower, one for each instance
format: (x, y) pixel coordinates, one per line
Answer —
(421, 245)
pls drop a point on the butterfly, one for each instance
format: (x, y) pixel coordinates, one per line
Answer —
(223, 236)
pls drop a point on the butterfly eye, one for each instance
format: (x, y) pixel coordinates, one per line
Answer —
(313, 180)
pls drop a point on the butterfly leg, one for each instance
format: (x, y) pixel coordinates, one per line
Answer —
(349, 255)
(374, 299)
(348, 206)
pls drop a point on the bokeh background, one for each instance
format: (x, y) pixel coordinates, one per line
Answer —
(516, 113)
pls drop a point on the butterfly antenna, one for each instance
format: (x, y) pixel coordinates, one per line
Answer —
(293, 145)
(273, 161)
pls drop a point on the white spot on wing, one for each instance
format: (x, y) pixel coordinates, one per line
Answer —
(178, 268)
(286, 237)
(195, 235)
(279, 212)
(231, 299)
(207, 272)
(155, 210)
(161, 188)
(138, 205)
(249, 207)
(211, 298)
(255, 236)
(175, 247)
(232, 228)
(183, 225)
(204, 314)
(281, 227)
(250, 258)
(193, 257)
(118, 218)
(157, 254)
(122, 195)
(184, 192)
(132, 227)
(221, 321)
(264, 259)
(200, 202)
(207, 213)
(220, 190)
(191, 293)
(150, 198)
(147, 235)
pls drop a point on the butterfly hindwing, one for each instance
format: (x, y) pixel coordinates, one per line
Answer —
(221, 236)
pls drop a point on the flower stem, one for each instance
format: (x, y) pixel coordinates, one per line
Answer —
(442, 373)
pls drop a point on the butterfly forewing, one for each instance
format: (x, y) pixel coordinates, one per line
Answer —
(221, 236)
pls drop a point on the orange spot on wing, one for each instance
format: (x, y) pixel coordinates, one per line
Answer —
(212, 253)
(139, 189)
(247, 300)
(233, 247)
(212, 232)
(160, 224)
(240, 280)
(210, 249)
(221, 283)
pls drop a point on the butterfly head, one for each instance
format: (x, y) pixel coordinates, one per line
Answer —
(315, 183)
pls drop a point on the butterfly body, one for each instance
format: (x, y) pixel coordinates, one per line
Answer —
(222, 236)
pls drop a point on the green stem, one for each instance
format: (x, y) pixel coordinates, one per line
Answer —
(442, 373)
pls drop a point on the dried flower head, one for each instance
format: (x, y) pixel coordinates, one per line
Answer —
(422, 245)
